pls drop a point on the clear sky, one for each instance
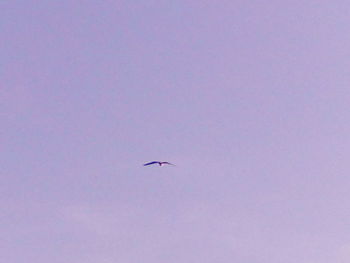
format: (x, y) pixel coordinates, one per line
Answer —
(249, 98)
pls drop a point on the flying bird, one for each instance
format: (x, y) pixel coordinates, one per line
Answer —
(160, 163)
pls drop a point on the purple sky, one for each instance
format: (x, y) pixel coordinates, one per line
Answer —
(249, 98)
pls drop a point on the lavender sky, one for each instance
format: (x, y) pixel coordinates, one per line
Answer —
(249, 98)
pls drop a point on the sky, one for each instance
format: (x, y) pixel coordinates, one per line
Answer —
(250, 100)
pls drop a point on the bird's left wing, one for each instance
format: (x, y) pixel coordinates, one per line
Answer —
(149, 163)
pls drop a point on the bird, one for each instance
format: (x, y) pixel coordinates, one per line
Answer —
(160, 163)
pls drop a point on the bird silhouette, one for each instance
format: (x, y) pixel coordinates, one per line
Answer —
(160, 163)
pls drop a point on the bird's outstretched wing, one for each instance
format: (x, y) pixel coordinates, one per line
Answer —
(150, 163)
(168, 163)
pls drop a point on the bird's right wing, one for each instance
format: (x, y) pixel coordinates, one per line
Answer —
(168, 163)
